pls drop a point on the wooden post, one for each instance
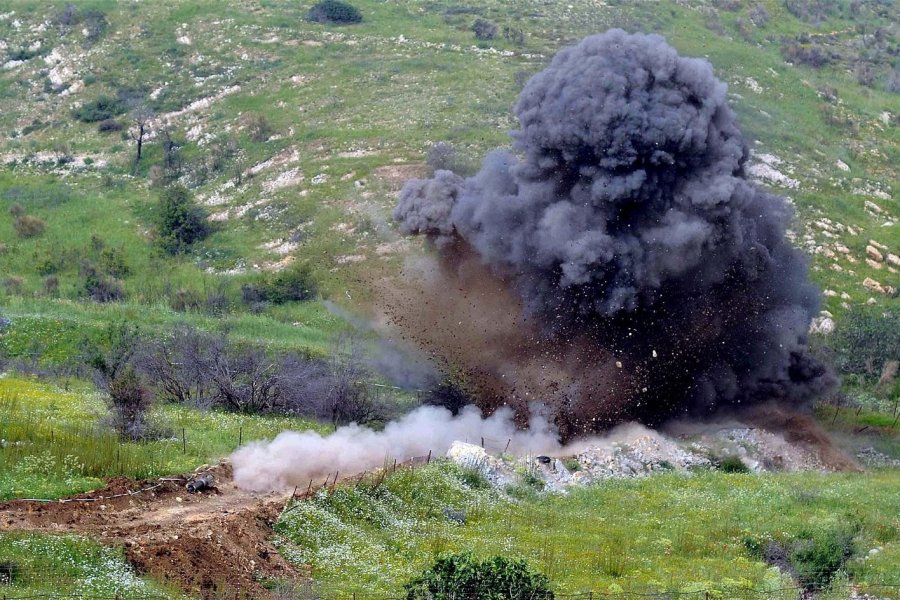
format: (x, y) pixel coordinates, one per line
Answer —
(334, 483)
(183, 441)
(482, 442)
(309, 489)
(395, 466)
(507, 445)
(240, 436)
(428, 460)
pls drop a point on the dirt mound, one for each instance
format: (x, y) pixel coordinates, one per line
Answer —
(209, 542)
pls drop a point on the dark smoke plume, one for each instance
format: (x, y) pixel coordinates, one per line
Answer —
(649, 277)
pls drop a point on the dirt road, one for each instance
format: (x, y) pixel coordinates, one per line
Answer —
(212, 542)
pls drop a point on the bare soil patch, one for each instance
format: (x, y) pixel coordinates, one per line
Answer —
(211, 542)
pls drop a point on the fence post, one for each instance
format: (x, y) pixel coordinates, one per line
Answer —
(428, 460)
(183, 442)
(240, 436)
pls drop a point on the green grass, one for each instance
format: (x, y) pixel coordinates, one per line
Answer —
(363, 88)
(666, 533)
(53, 444)
(67, 566)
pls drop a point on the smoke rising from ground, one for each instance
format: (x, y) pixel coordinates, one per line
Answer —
(633, 270)
(294, 458)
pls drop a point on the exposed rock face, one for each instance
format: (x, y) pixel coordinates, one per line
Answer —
(873, 253)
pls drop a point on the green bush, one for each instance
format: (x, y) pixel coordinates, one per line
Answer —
(816, 557)
(101, 109)
(99, 287)
(180, 221)
(463, 576)
(733, 464)
(334, 11)
(866, 339)
(294, 284)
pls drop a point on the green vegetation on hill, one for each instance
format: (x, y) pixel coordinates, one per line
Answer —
(293, 137)
(296, 136)
(53, 446)
(664, 534)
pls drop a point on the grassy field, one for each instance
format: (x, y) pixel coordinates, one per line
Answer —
(73, 566)
(663, 534)
(54, 444)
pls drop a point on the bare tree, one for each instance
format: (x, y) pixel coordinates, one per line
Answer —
(141, 116)
(177, 365)
(335, 389)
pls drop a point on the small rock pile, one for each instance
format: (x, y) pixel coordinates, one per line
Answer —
(635, 451)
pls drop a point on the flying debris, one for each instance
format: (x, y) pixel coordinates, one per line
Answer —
(622, 221)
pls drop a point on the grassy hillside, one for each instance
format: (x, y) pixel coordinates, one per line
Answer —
(296, 135)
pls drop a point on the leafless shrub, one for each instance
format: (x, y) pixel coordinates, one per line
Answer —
(129, 405)
(13, 285)
(176, 364)
(759, 15)
(336, 389)
(28, 226)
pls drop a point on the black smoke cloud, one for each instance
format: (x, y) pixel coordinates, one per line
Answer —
(623, 219)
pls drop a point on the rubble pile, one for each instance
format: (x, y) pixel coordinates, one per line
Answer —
(635, 451)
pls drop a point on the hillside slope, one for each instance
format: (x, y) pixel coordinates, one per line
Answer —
(297, 135)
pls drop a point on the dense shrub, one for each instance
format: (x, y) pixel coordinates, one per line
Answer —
(109, 126)
(733, 464)
(893, 81)
(463, 576)
(514, 35)
(98, 286)
(23, 54)
(807, 53)
(813, 11)
(759, 15)
(13, 285)
(203, 370)
(484, 30)
(129, 405)
(334, 11)
(817, 556)
(180, 221)
(258, 128)
(51, 286)
(28, 226)
(293, 284)
(112, 262)
(866, 339)
(101, 109)
(445, 156)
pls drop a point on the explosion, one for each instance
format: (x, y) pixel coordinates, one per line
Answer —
(618, 264)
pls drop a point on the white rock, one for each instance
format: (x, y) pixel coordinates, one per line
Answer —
(871, 284)
(823, 325)
(842, 165)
